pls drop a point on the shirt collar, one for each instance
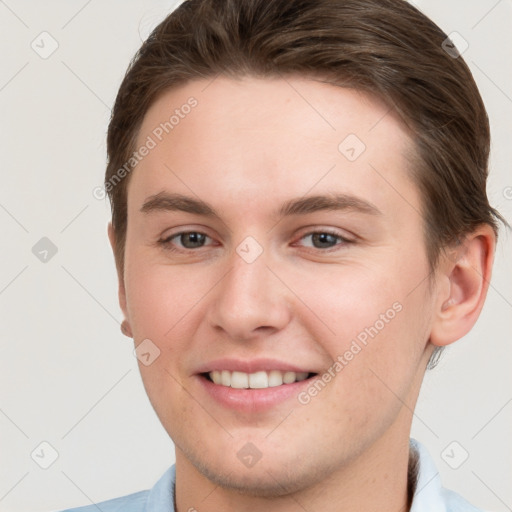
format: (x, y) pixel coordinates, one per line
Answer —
(427, 486)
(161, 496)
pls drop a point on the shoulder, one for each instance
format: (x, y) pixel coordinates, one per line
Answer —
(135, 502)
(456, 503)
(160, 497)
(130, 503)
(429, 493)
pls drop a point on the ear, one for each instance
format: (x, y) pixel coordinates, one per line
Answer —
(465, 274)
(125, 326)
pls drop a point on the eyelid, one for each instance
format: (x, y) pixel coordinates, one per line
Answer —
(341, 243)
(179, 230)
(166, 240)
(178, 233)
(343, 234)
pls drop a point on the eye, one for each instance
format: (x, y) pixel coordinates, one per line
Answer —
(185, 240)
(325, 240)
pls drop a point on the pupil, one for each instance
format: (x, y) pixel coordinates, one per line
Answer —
(192, 240)
(322, 240)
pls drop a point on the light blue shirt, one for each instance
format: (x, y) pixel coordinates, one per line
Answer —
(429, 494)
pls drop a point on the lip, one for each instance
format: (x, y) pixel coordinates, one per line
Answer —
(252, 400)
(251, 366)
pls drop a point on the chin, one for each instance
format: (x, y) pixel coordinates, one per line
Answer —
(266, 482)
(271, 478)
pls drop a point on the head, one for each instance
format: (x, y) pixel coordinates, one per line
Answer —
(264, 122)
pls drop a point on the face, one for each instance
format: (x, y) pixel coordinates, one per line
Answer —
(275, 260)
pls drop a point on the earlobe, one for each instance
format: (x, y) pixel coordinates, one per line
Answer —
(125, 325)
(111, 235)
(126, 329)
(467, 276)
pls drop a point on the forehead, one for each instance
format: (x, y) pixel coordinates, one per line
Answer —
(257, 141)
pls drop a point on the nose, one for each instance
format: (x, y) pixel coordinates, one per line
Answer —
(250, 300)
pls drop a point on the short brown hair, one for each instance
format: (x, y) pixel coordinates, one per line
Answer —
(384, 47)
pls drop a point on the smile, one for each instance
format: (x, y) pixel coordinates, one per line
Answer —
(257, 380)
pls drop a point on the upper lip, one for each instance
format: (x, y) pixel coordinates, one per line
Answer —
(251, 366)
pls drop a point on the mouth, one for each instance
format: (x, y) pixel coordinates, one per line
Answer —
(253, 386)
(262, 379)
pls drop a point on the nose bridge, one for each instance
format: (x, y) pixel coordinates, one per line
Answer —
(249, 297)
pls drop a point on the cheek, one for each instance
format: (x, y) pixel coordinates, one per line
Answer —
(373, 327)
(161, 304)
(349, 303)
(160, 298)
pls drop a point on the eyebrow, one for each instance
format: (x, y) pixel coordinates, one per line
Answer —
(165, 201)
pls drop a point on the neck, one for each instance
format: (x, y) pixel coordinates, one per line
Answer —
(376, 480)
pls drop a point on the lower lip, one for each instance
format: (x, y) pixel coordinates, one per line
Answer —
(253, 400)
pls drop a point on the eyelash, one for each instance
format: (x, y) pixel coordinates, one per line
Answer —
(168, 245)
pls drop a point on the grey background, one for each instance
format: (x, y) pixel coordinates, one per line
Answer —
(68, 375)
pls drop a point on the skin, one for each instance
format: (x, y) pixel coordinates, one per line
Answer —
(249, 146)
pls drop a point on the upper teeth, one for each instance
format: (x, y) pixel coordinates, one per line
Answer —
(260, 380)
